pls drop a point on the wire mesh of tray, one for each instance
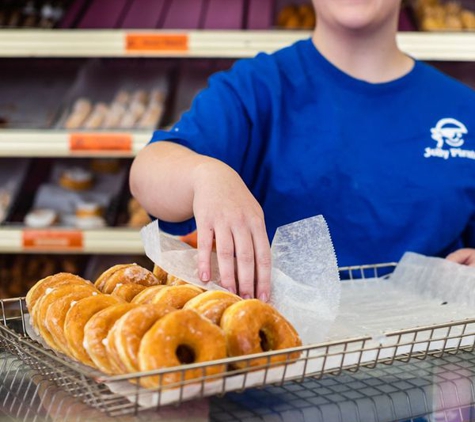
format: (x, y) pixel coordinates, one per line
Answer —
(122, 394)
(434, 389)
(441, 389)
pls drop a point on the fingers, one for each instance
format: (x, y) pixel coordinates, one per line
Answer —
(263, 265)
(243, 253)
(225, 253)
(245, 263)
(463, 256)
(205, 246)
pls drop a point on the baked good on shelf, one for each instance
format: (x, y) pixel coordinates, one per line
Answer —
(125, 273)
(151, 117)
(86, 209)
(89, 223)
(138, 217)
(75, 320)
(139, 96)
(80, 111)
(105, 165)
(212, 304)
(40, 218)
(252, 326)
(122, 97)
(97, 116)
(468, 19)
(181, 337)
(76, 179)
(123, 340)
(96, 331)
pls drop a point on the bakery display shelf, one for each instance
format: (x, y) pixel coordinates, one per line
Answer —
(452, 46)
(64, 240)
(116, 395)
(62, 143)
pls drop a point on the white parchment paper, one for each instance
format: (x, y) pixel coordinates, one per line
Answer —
(422, 291)
(305, 280)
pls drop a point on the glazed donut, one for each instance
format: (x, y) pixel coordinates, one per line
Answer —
(175, 281)
(96, 331)
(123, 340)
(252, 326)
(176, 296)
(158, 272)
(127, 291)
(146, 296)
(125, 273)
(56, 280)
(212, 304)
(75, 320)
(181, 337)
(56, 314)
(38, 312)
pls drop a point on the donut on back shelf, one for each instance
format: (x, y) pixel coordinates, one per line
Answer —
(76, 179)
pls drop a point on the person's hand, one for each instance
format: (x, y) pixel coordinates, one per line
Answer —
(225, 210)
(464, 256)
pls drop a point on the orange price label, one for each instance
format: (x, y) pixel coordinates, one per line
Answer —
(100, 142)
(135, 43)
(57, 240)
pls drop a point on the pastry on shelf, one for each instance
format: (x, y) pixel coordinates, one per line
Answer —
(436, 15)
(138, 217)
(81, 110)
(140, 109)
(105, 165)
(93, 222)
(76, 179)
(295, 16)
(41, 218)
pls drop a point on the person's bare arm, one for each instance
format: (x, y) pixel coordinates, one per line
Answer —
(464, 256)
(174, 183)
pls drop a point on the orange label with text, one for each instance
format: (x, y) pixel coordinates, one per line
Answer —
(58, 240)
(156, 42)
(100, 142)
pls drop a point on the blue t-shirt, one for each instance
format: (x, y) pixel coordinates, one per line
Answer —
(391, 166)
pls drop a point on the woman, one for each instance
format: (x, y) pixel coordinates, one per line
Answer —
(343, 124)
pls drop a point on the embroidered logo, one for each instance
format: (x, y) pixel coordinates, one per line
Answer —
(450, 132)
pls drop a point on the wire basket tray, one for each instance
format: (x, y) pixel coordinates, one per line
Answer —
(121, 394)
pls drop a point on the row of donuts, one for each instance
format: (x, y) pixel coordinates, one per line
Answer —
(132, 320)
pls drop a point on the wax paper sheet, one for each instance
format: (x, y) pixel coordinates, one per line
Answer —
(305, 280)
(422, 291)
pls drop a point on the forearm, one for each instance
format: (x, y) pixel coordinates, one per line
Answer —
(162, 179)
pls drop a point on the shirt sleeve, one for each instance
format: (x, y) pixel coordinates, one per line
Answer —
(220, 124)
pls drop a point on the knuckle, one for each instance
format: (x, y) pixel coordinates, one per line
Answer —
(205, 243)
(257, 221)
(246, 257)
(225, 254)
(227, 279)
(264, 261)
